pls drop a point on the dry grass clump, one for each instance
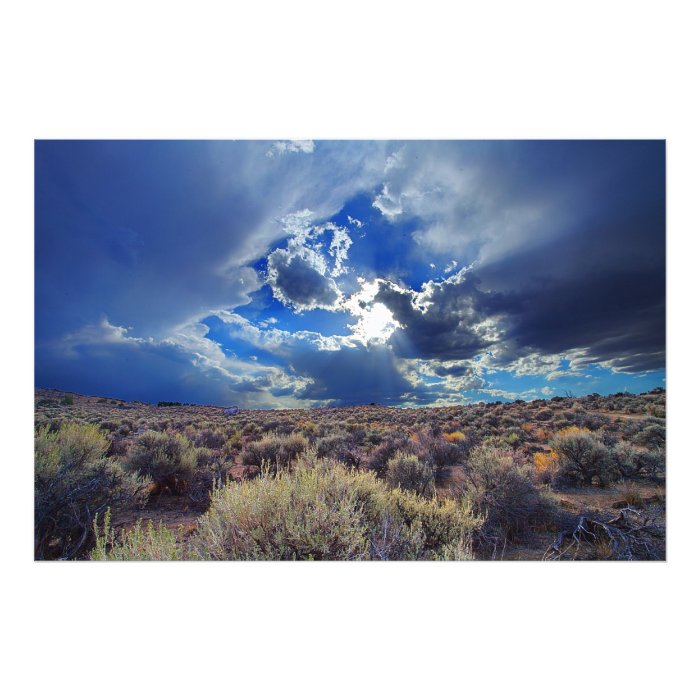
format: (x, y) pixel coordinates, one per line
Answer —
(630, 495)
(546, 465)
(148, 543)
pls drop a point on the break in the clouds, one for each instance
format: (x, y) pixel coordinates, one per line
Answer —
(301, 273)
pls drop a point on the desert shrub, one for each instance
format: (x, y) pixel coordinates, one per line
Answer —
(591, 421)
(434, 448)
(582, 458)
(658, 411)
(320, 510)
(512, 438)
(118, 447)
(233, 443)
(502, 491)
(139, 543)
(373, 437)
(628, 458)
(73, 482)
(497, 441)
(275, 450)
(212, 439)
(251, 428)
(608, 438)
(407, 471)
(652, 436)
(339, 446)
(168, 458)
(308, 428)
(125, 428)
(653, 462)
(389, 446)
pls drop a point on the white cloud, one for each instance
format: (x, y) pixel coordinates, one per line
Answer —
(282, 147)
(185, 365)
(470, 199)
(302, 275)
(395, 161)
(388, 203)
(101, 333)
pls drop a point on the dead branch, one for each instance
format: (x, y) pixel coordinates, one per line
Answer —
(625, 537)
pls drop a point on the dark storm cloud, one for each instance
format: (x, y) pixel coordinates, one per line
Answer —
(353, 375)
(449, 326)
(595, 283)
(132, 371)
(451, 370)
(297, 282)
(602, 287)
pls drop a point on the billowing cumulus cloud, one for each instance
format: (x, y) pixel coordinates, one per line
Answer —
(302, 274)
(298, 279)
(445, 320)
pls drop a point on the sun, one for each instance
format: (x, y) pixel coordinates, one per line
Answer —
(375, 324)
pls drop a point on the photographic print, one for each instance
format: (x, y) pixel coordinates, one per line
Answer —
(350, 350)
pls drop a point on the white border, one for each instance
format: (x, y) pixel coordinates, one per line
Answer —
(361, 70)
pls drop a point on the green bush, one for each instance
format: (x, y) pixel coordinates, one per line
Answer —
(408, 472)
(320, 510)
(73, 483)
(167, 458)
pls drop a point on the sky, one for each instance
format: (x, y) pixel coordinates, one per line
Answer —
(283, 274)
